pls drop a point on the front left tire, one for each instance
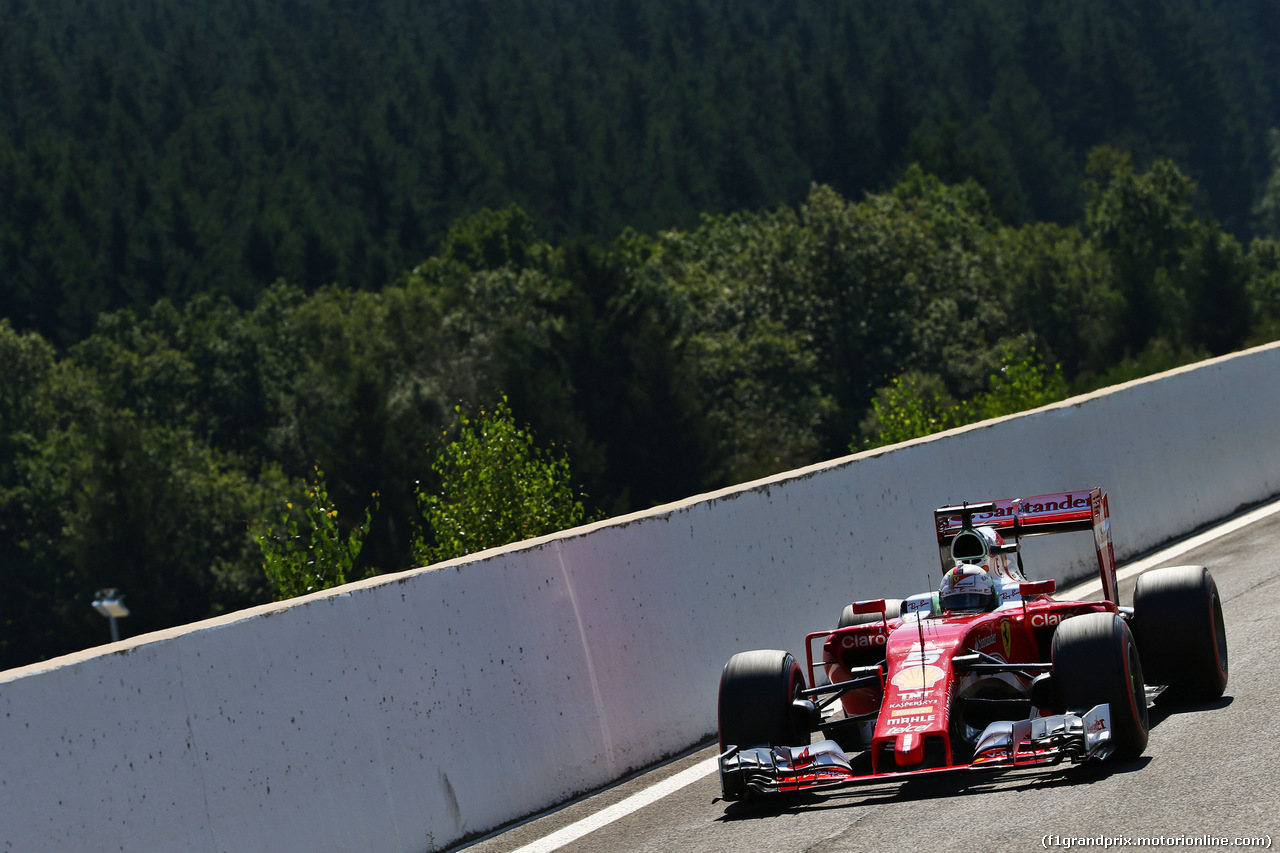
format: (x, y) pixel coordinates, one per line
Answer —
(757, 690)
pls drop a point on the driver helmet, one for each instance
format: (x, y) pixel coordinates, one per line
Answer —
(967, 587)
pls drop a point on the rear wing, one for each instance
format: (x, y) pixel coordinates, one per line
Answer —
(1016, 518)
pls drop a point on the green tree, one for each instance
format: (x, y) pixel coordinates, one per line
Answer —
(1264, 290)
(315, 557)
(917, 404)
(1059, 290)
(789, 321)
(492, 239)
(103, 497)
(1021, 384)
(1214, 276)
(1182, 279)
(496, 486)
(1142, 221)
(913, 405)
(1266, 210)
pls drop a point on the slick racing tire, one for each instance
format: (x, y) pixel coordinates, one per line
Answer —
(892, 610)
(756, 693)
(1177, 621)
(1095, 660)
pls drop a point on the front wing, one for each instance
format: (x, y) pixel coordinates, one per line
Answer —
(1003, 746)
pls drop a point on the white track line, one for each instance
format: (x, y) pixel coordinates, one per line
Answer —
(702, 769)
(621, 809)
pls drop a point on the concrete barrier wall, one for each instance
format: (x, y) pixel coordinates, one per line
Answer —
(408, 712)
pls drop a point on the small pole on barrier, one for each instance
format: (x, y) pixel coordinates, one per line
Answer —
(110, 603)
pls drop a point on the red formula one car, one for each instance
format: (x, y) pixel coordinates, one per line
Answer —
(988, 672)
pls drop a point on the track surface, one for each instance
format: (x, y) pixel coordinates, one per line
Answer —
(1209, 770)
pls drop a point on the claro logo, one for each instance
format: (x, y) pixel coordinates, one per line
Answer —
(1044, 620)
(864, 641)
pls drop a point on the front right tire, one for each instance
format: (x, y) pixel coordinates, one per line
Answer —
(1095, 660)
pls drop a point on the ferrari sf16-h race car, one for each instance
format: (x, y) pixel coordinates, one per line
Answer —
(989, 672)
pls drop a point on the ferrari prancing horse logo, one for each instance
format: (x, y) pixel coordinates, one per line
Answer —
(1006, 637)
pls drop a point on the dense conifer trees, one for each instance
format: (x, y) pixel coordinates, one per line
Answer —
(166, 149)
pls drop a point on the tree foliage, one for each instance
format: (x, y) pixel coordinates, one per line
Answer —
(1180, 277)
(173, 149)
(496, 486)
(915, 404)
(298, 560)
(97, 494)
(698, 242)
(673, 363)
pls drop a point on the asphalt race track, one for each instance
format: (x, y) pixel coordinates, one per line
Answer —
(1209, 772)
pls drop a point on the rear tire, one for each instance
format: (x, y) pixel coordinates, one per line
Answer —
(1095, 660)
(1177, 620)
(892, 610)
(756, 692)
